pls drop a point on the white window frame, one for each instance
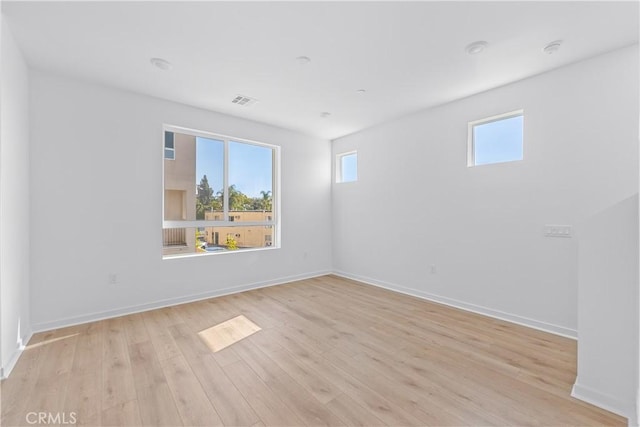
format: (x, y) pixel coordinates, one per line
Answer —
(275, 193)
(471, 151)
(339, 166)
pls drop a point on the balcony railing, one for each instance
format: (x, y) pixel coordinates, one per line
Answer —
(174, 237)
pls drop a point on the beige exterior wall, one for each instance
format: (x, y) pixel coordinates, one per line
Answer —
(259, 236)
(180, 195)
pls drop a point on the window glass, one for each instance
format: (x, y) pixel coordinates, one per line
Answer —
(218, 194)
(497, 141)
(347, 167)
(209, 170)
(250, 182)
(169, 148)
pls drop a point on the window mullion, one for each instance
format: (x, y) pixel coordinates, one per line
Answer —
(225, 190)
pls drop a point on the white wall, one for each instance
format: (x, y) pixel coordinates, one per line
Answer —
(417, 204)
(608, 310)
(96, 191)
(14, 201)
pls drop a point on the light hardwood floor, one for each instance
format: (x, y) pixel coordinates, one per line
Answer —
(329, 351)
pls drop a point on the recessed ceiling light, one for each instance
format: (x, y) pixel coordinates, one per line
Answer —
(303, 60)
(163, 64)
(361, 91)
(552, 47)
(476, 47)
(325, 114)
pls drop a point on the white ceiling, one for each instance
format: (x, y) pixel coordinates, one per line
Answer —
(407, 55)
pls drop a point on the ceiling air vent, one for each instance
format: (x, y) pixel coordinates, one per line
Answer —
(244, 100)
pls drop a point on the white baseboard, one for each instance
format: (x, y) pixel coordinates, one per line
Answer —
(92, 317)
(513, 318)
(6, 369)
(603, 400)
(579, 391)
(634, 421)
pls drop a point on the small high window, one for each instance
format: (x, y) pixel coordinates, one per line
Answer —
(496, 139)
(169, 147)
(347, 167)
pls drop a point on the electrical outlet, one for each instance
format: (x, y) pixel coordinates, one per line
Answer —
(113, 278)
(558, 231)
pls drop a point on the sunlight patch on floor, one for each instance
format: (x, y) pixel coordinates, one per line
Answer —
(49, 341)
(229, 332)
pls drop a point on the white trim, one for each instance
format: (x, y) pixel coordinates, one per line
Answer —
(226, 140)
(634, 420)
(213, 135)
(196, 223)
(276, 201)
(602, 400)
(485, 311)
(225, 180)
(92, 317)
(5, 371)
(207, 253)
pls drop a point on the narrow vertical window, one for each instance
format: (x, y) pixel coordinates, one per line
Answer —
(347, 167)
(169, 147)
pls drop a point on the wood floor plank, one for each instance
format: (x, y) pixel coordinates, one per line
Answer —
(331, 351)
(267, 405)
(157, 407)
(83, 398)
(398, 392)
(157, 323)
(117, 377)
(224, 334)
(245, 304)
(303, 403)
(50, 395)
(122, 414)
(145, 366)
(135, 329)
(89, 350)
(228, 402)
(204, 315)
(313, 381)
(22, 382)
(299, 399)
(193, 405)
(351, 413)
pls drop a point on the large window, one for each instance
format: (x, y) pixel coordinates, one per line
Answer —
(220, 193)
(496, 139)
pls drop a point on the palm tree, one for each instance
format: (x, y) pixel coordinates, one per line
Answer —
(266, 200)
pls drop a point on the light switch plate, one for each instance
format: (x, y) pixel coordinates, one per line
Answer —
(558, 231)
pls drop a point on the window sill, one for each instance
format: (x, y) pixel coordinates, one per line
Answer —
(221, 252)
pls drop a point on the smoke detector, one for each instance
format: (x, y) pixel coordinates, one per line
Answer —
(476, 47)
(160, 63)
(303, 60)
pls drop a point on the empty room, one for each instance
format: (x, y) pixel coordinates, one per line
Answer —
(334, 213)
